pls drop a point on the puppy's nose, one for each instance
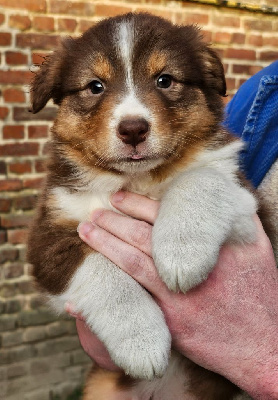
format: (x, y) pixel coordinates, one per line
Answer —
(133, 131)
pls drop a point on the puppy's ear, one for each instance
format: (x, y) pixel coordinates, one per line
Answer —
(46, 83)
(214, 71)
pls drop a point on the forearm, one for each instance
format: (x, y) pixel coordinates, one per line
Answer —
(229, 323)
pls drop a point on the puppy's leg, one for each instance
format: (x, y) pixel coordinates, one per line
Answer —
(122, 314)
(199, 212)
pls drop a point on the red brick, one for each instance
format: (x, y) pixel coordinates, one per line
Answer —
(67, 24)
(23, 167)
(240, 54)
(35, 183)
(19, 149)
(13, 132)
(105, 10)
(15, 77)
(15, 221)
(270, 41)
(72, 8)
(21, 22)
(13, 96)
(45, 24)
(46, 148)
(25, 202)
(5, 205)
(164, 13)
(23, 114)
(239, 38)
(207, 35)
(38, 58)
(241, 69)
(37, 41)
(2, 18)
(10, 185)
(201, 19)
(255, 40)
(16, 58)
(259, 25)
(84, 25)
(4, 111)
(231, 83)
(268, 55)
(255, 68)
(220, 20)
(222, 37)
(40, 166)
(31, 5)
(38, 131)
(16, 236)
(5, 39)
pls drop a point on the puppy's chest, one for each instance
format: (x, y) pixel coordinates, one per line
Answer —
(78, 205)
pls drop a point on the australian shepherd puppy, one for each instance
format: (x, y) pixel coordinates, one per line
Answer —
(140, 109)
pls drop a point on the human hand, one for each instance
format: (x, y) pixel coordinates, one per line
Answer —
(227, 324)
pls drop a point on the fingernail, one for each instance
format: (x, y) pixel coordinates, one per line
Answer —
(84, 228)
(118, 196)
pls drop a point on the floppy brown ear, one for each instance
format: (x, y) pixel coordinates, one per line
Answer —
(46, 83)
(214, 71)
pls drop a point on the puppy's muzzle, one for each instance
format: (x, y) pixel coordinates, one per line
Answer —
(133, 131)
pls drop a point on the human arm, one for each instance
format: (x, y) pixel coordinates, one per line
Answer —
(227, 324)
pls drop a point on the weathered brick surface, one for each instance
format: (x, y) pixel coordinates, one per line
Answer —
(32, 340)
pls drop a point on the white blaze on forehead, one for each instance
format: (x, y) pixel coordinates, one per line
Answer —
(125, 44)
(130, 104)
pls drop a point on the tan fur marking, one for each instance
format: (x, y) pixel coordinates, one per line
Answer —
(104, 385)
(102, 68)
(156, 63)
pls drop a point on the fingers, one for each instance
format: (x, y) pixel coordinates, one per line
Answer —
(94, 347)
(135, 205)
(131, 260)
(134, 232)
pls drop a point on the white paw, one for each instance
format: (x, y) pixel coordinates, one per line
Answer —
(143, 357)
(122, 314)
(200, 211)
(183, 262)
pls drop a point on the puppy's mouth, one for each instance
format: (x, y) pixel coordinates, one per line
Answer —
(137, 157)
(136, 162)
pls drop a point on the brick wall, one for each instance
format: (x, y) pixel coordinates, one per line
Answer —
(40, 357)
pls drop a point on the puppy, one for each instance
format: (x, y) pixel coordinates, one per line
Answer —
(140, 109)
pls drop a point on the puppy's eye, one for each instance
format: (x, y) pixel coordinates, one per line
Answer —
(164, 81)
(96, 87)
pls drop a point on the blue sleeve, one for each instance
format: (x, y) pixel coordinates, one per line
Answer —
(253, 115)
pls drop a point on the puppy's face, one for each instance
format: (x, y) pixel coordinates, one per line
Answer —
(135, 92)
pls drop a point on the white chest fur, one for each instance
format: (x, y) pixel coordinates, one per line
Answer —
(80, 204)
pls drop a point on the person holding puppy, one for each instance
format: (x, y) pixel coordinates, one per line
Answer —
(229, 323)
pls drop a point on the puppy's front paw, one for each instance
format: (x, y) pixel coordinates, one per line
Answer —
(123, 315)
(146, 356)
(182, 262)
(195, 218)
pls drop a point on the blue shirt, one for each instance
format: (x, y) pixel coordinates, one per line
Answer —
(252, 115)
